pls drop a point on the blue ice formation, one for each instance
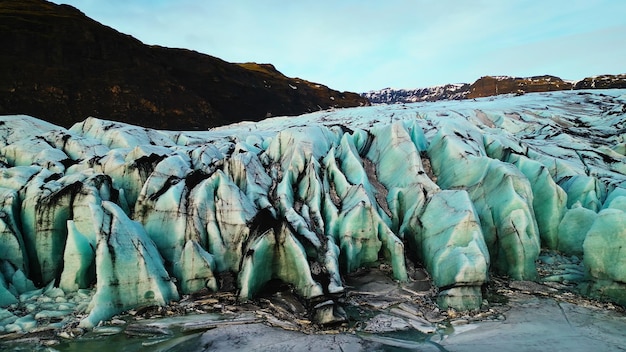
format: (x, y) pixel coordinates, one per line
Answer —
(105, 217)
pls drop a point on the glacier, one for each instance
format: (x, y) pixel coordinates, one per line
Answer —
(105, 217)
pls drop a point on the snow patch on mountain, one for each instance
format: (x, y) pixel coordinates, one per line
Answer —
(400, 96)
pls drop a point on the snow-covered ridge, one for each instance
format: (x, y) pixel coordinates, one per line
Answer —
(106, 216)
(397, 96)
(492, 86)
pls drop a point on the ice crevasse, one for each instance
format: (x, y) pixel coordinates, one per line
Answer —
(104, 217)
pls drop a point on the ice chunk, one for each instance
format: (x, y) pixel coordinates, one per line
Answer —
(118, 134)
(161, 207)
(615, 199)
(453, 248)
(11, 241)
(275, 253)
(603, 254)
(21, 143)
(361, 233)
(194, 270)
(6, 296)
(549, 199)
(79, 269)
(250, 176)
(129, 269)
(17, 178)
(47, 206)
(501, 194)
(44, 214)
(395, 158)
(34, 151)
(16, 127)
(573, 229)
(15, 278)
(206, 157)
(292, 148)
(586, 190)
(221, 214)
(130, 168)
(74, 146)
(22, 324)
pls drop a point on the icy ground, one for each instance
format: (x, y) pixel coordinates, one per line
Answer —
(437, 198)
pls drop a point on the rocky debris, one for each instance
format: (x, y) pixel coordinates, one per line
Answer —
(329, 313)
(556, 267)
(414, 314)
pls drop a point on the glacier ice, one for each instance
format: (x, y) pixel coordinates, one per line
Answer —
(454, 251)
(500, 192)
(106, 216)
(194, 269)
(603, 248)
(129, 269)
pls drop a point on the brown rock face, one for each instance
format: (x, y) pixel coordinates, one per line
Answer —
(488, 85)
(602, 82)
(61, 66)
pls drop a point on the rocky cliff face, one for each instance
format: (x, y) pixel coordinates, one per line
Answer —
(602, 82)
(495, 85)
(62, 66)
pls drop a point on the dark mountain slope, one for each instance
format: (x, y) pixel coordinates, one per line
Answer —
(61, 66)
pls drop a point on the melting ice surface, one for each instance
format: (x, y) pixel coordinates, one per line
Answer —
(104, 217)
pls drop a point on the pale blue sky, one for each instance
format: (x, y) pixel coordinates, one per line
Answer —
(361, 45)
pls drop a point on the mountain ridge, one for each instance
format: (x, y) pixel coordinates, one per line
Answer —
(63, 66)
(493, 85)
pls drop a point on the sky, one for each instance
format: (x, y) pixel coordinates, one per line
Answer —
(362, 45)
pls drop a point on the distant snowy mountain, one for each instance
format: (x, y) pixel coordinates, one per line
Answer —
(487, 86)
(393, 96)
